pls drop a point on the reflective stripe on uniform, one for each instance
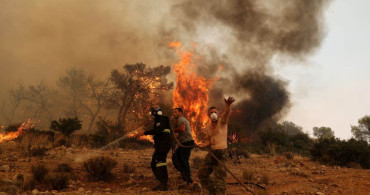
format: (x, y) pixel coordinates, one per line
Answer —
(166, 131)
(161, 164)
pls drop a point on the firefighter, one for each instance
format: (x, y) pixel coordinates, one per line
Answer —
(162, 143)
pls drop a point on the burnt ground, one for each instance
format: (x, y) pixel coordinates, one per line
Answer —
(278, 174)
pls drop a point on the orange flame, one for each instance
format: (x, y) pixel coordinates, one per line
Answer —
(13, 135)
(191, 92)
(142, 137)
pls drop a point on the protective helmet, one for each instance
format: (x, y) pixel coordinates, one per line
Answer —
(155, 111)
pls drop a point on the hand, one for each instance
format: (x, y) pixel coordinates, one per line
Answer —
(229, 101)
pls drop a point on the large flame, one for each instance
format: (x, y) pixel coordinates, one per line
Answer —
(191, 92)
(13, 135)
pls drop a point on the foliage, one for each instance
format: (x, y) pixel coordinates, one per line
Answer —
(84, 93)
(362, 131)
(39, 172)
(323, 132)
(290, 128)
(66, 125)
(136, 89)
(56, 181)
(99, 168)
(341, 152)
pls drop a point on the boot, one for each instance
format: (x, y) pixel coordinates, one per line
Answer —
(160, 187)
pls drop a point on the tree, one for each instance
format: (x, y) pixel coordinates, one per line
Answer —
(290, 128)
(138, 87)
(74, 84)
(86, 94)
(16, 97)
(66, 125)
(323, 132)
(362, 131)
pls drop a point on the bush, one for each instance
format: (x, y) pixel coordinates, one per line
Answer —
(99, 168)
(39, 172)
(64, 168)
(238, 153)
(66, 125)
(108, 129)
(128, 168)
(343, 153)
(98, 141)
(56, 181)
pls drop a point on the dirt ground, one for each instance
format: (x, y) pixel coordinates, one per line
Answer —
(296, 176)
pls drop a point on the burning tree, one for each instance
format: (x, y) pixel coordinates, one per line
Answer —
(136, 89)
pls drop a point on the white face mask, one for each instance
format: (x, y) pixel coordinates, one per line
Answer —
(213, 117)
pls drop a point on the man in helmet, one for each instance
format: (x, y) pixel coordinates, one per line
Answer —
(181, 156)
(162, 143)
(216, 138)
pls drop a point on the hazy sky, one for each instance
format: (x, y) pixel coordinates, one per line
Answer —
(334, 90)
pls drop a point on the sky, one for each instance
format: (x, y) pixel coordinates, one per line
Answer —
(332, 88)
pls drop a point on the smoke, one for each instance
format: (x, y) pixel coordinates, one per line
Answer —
(244, 36)
(41, 39)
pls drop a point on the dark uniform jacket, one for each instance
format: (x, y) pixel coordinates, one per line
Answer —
(161, 130)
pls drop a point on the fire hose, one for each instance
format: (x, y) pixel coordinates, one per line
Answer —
(203, 148)
(218, 161)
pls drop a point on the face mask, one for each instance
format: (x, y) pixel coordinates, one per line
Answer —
(213, 117)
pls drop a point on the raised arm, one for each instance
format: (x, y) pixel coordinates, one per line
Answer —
(225, 115)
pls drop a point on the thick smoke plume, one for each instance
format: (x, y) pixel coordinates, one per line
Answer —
(244, 36)
(40, 39)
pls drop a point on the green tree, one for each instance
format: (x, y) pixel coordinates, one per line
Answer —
(66, 125)
(323, 132)
(290, 128)
(137, 86)
(362, 131)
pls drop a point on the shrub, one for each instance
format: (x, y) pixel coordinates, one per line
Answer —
(342, 153)
(66, 125)
(64, 168)
(128, 168)
(197, 162)
(56, 181)
(39, 172)
(248, 175)
(108, 129)
(98, 141)
(99, 168)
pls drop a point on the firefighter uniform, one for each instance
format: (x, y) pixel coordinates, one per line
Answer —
(162, 143)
